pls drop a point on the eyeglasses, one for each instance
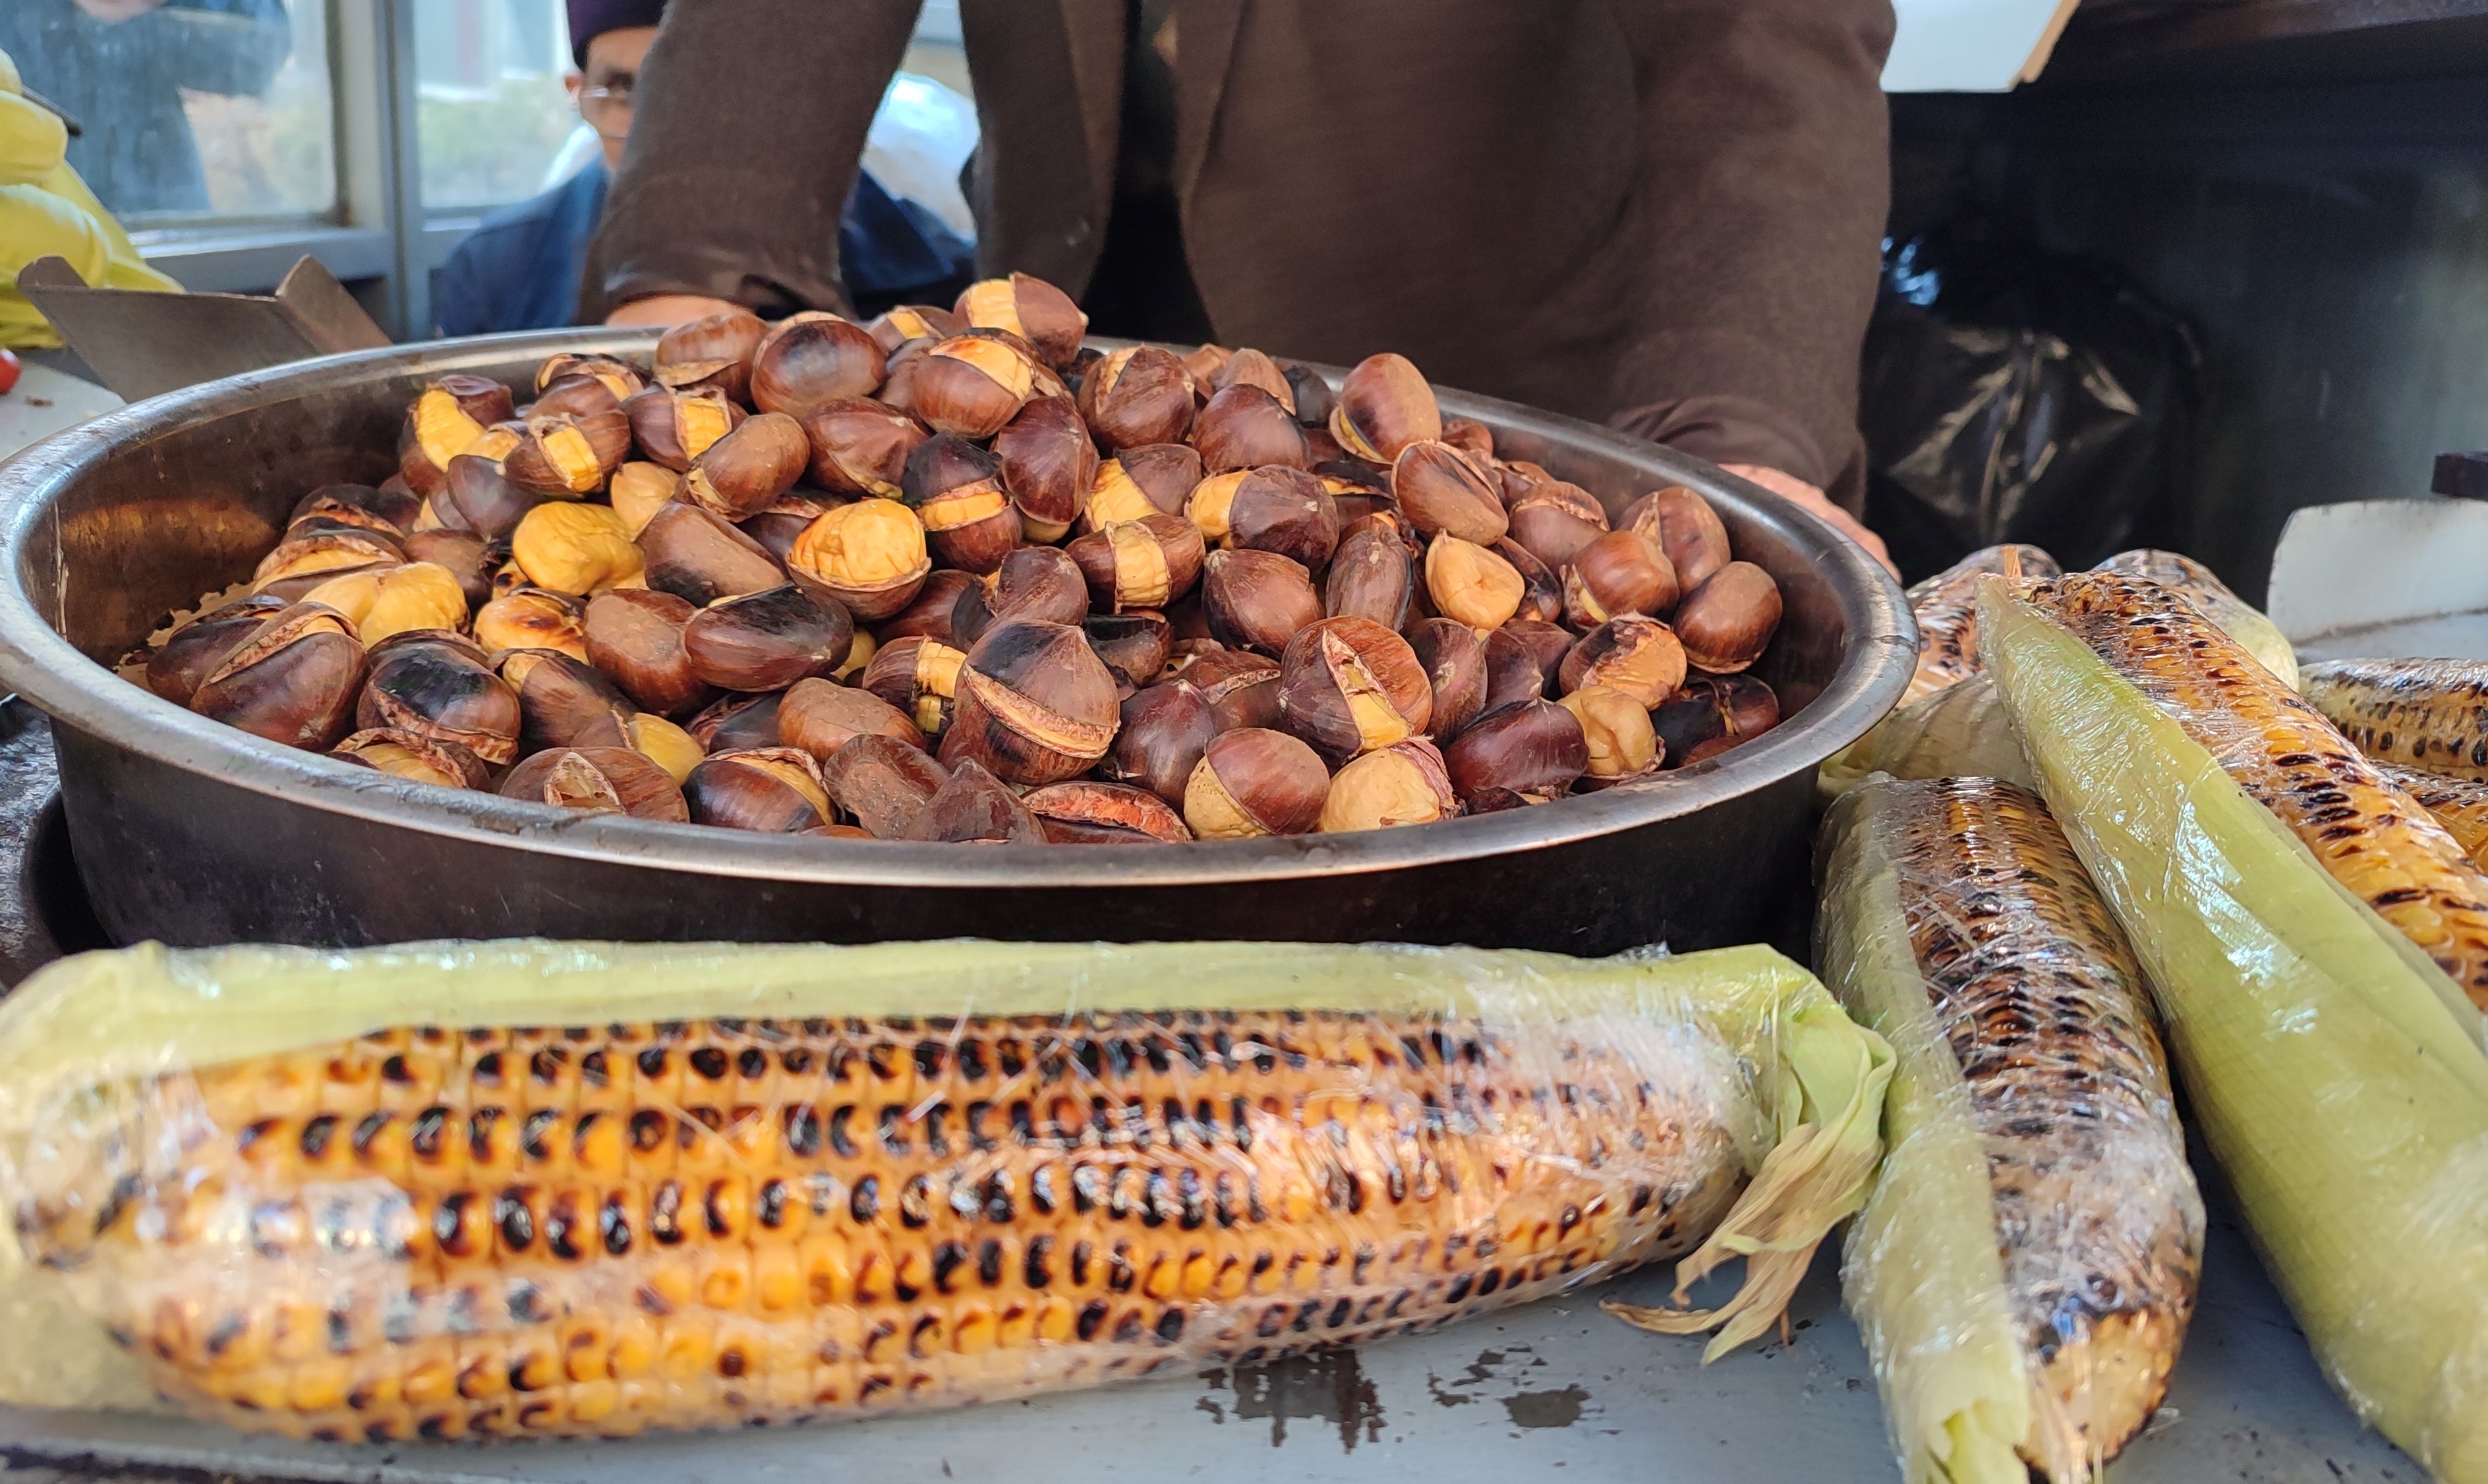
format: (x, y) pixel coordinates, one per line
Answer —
(607, 104)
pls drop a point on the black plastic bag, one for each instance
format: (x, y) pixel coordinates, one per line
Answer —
(2016, 394)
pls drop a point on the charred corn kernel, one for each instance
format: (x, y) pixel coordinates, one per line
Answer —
(2024, 1272)
(2372, 837)
(2459, 804)
(1946, 608)
(2425, 713)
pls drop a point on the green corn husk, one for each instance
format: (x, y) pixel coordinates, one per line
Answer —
(1959, 732)
(2328, 1063)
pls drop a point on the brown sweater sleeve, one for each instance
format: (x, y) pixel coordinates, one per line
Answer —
(1766, 186)
(750, 123)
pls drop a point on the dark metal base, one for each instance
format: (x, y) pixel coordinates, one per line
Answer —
(45, 911)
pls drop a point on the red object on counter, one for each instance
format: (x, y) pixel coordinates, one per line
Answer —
(8, 369)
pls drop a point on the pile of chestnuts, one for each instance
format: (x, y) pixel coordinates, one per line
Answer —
(953, 575)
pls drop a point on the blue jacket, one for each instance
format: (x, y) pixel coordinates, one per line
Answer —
(520, 269)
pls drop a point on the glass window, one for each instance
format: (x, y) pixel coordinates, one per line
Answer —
(194, 110)
(495, 122)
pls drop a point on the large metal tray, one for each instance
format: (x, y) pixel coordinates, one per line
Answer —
(195, 833)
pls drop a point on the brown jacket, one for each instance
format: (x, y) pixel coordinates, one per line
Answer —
(1658, 213)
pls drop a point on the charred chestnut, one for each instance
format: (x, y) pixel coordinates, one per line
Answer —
(1640, 657)
(1534, 749)
(1713, 713)
(738, 723)
(883, 781)
(1349, 685)
(1245, 428)
(413, 757)
(1313, 396)
(956, 491)
(1090, 813)
(1252, 783)
(768, 641)
(710, 353)
(765, 790)
(1455, 661)
(293, 680)
(636, 638)
(1164, 730)
(1049, 465)
(1729, 620)
(700, 558)
(605, 779)
(1516, 670)
(1258, 600)
(1134, 645)
(440, 686)
(1035, 704)
(1405, 783)
(1146, 563)
(809, 358)
(196, 648)
(919, 676)
(871, 556)
(1384, 405)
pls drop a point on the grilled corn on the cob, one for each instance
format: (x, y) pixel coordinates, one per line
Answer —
(2427, 714)
(2030, 1110)
(2333, 1071)
(2459, 804)
(2371, 836)
(1946, 608)
(2202, 587)
(808, 1206)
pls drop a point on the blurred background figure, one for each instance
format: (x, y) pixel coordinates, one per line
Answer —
(520, 269)
(120, 67)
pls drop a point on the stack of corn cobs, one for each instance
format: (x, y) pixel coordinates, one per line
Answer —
(955, 577)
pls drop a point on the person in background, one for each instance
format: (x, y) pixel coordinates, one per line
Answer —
(1665, 215)
(520, 269)
(120, 67)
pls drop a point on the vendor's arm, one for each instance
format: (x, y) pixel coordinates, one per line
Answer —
(1764, 142)
(749, 121)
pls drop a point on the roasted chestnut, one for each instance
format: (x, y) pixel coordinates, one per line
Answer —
(810, 358)
(739, 474)
(1244, 428)
(1242, 688)
(1371, 576)
(1164, 730)
(1384, 405)
(736, 723)
(1470, 583)
(1313, 396)
(619, 378)
(1035, 704)
(768, 641)
(1146, 563)
(381, 601)
(1136, 395)
(674, 426)
(1553, 527)
(1471, 436)
(919, 676)
(1623, 571)
(1713, 713)
(870, 555)
(956, 491)
(913, 322)
(1514, 671)
(565, 702)
(788, 517)
(1534, 749)
(1541, 595)
(1255, 782)
(475, 497)
(1090, 813)
(700, 558)
(1454, 660)
(710, 353)
(293, 680)
(446, 419)
(572, 546)
(468, 558)
(766, 790)
(1640, 657)
(971, 386)
(636, 638)
(1258, 600)
(883, 782)
(1686, 529)
(1134, 645)
(1617, 728)
(1268, 509)
(194, 649)
(662, 742)
(973, 807)
(1254, 368)
(603, 779)
(861, 446)
(1729, 620)
(1030, 308)
(577, 396)
(1349, 685)
(568, 455)
(392, 512)
(1049, 463)
(531, 618)
(821, 716)
(1405, 783)
(440, 686)
(1442, 490)
(934, 611)
(1154, 479)
(414, 757)
(1203, 365)
(1039, 583)
(316, 549)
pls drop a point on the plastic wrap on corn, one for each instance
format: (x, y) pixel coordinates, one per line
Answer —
(2025, 1270)
(2333, 1069)
(460, 1190)
(1945, 606)
(2425, 713)
(2202, 587)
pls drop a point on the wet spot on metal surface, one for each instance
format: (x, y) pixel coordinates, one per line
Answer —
(1547, 1409)
(1327, 1385)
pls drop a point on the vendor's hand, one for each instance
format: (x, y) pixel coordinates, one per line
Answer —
(1790, 487)
(668, 309)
